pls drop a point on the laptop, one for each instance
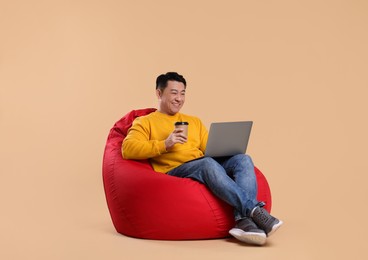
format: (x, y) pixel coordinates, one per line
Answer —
(228, 138)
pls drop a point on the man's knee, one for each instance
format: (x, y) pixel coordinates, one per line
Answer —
(242, 160)
(242, 157)
(210, 163)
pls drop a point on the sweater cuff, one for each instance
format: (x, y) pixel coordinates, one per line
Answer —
(162, 147)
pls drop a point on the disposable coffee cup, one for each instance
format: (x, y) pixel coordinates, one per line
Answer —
(184, 126)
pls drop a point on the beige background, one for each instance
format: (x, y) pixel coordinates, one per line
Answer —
(70, 69)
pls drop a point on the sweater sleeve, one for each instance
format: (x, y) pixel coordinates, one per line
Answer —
(137, 145)
(204, 137)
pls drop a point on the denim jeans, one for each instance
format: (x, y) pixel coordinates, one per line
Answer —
(232, 179)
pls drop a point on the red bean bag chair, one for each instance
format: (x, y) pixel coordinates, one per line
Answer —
(147, 204)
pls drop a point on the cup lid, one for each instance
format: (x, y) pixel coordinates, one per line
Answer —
(181, 123)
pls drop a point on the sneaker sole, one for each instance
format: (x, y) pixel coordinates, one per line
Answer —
(275, 227)
(248, 237)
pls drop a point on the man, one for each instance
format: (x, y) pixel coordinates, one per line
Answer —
(170, 151)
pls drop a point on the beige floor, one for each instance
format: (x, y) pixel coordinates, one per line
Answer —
(70, 69)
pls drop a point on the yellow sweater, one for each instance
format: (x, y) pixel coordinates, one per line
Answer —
(146, 140)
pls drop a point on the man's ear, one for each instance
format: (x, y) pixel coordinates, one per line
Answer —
(158, 93)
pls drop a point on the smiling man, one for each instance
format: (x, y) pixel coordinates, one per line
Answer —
(154, 137)
(170, 151)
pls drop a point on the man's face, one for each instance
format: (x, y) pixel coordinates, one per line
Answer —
(172, 98)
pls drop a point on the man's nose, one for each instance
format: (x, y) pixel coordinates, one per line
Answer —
(178, 98)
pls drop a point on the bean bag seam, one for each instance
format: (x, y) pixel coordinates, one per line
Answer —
(121, 209)
(209, 204)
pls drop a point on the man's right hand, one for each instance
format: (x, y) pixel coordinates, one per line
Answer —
(177, 136)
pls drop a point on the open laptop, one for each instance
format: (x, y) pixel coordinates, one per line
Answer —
(228, 138)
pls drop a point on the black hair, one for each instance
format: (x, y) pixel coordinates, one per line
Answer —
(161, 81)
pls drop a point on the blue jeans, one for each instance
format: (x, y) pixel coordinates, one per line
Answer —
(232, 179)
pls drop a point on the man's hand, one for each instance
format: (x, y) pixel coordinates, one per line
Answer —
(177, 136)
